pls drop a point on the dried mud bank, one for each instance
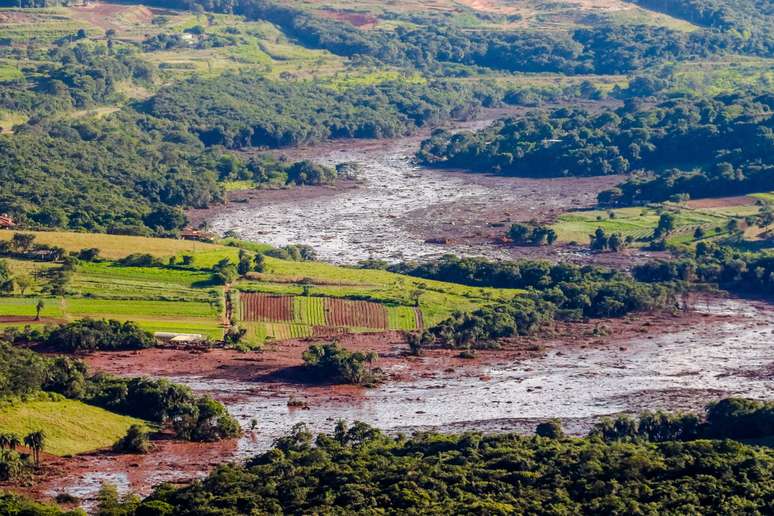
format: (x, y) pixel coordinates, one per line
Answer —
(582, 373)
(398, 209)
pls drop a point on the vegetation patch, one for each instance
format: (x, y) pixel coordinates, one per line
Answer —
(70, 426)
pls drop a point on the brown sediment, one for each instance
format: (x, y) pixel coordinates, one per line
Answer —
(358, 19)
(720, 202)
(251, 383)
(170, 461)
(268, 365)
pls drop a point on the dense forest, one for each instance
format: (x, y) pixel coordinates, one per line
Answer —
(239, 111)
(555, 291)
(68, 75)
(359, 469)
(724, 141)
(104, 175)
(753, 20)
(733, 270)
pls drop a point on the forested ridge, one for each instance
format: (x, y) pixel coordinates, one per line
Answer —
(688, 146)
(239, 111)
(615, 48)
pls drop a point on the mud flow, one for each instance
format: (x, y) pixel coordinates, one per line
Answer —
(399, 210)
(725, 349)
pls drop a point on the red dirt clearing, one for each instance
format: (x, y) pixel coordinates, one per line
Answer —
(356, 314)
(265, 307)
(360, 20)
(721, 202)
(105, 16)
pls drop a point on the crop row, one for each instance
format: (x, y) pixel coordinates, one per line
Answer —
(264, 307)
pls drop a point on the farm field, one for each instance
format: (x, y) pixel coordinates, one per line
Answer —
(177, 316)
(114, 247)
(640, 222)
(70, 426)
(283, 317)
(183, 298)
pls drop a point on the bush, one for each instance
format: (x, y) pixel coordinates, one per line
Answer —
(551, 429)
(332, 363)
(89, 335)
(136, 440)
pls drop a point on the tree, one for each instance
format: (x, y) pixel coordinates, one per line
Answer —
(136, 440)
(24, 281)
(89, 255)
(22, 241)
(224, 272)
(244, 264)
(234, 335)
(666, 224)
(35, 441)
(615, 243)
(259, 262)
(14, 441)
(165, 217)
(38, 308)
(599, 240)
(519, 232)
(551, 429)
(699, 233)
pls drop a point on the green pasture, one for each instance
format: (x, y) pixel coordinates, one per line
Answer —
(70, 426)
(640, 222)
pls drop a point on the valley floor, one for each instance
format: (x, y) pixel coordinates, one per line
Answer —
(582, 373)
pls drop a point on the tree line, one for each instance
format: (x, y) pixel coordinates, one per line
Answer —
(358, 468)
(24, 373)
(697, 146)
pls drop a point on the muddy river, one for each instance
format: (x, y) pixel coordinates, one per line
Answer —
(681, 370)
(730, 354)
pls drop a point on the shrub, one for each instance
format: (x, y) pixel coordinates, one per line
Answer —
(136, 440)
(98, 335)
(335, 364)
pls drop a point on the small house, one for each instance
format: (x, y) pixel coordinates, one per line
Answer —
(6, 221)
(171, 338)
(196, 234)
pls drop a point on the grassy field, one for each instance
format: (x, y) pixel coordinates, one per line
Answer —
(640, 222)
(767, 197)
(71, 427)
(722, 75)
(114, 247)
(183, 299)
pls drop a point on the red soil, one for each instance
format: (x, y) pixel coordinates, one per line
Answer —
(720, 202)
(276, 373)
(29, 319)
(264, 307)
(358, 314)
(360, 20)
(103, 15)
